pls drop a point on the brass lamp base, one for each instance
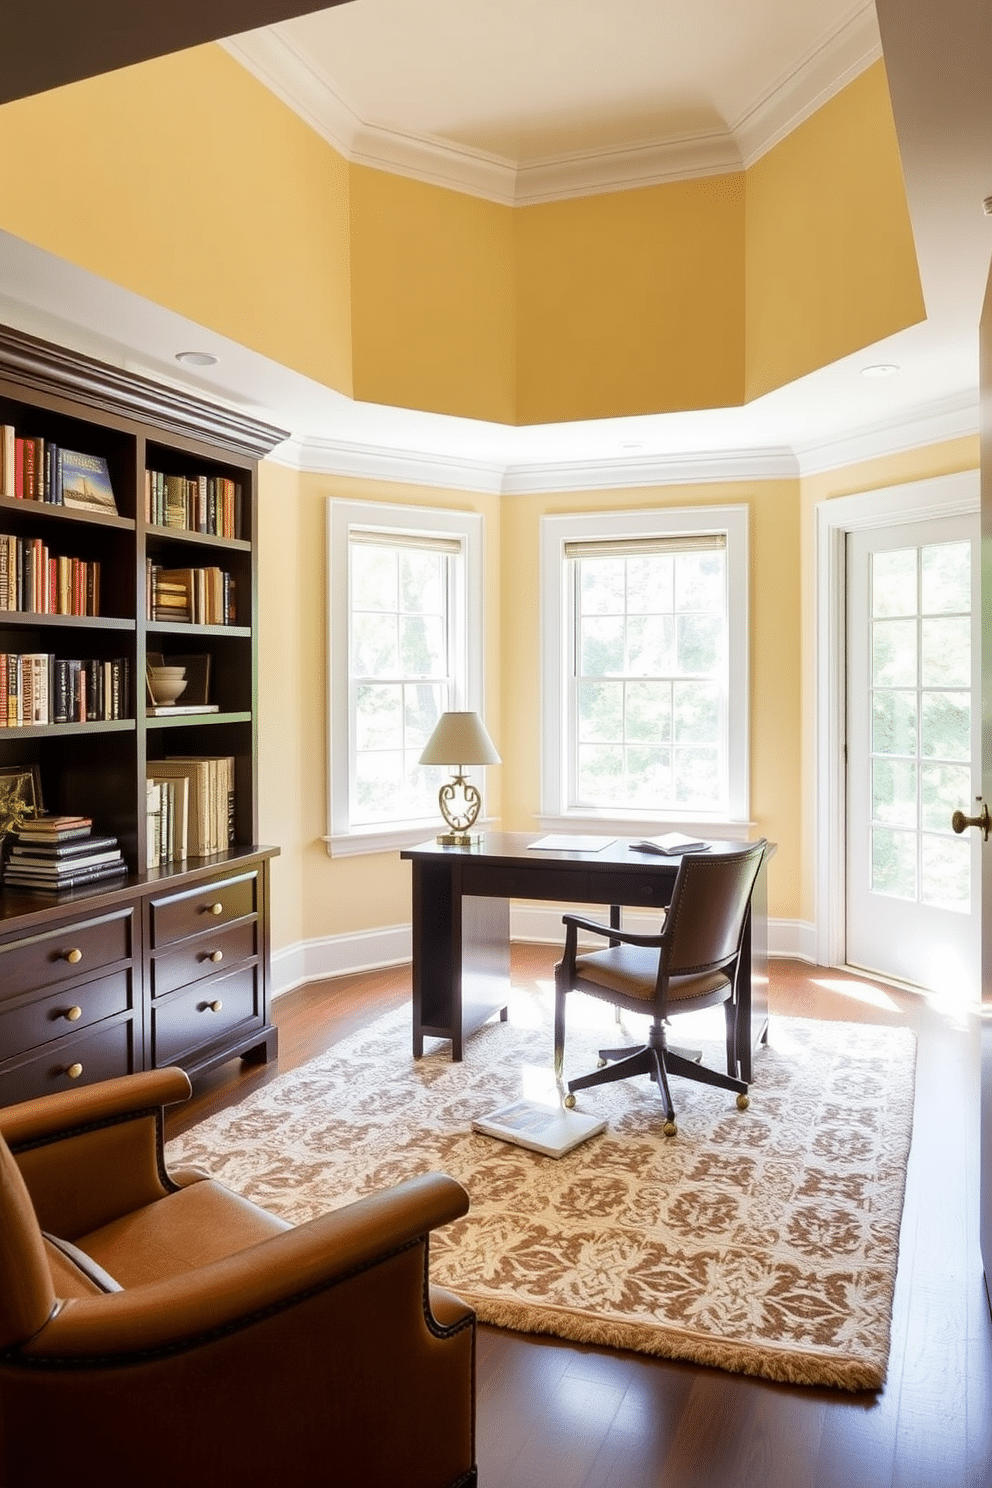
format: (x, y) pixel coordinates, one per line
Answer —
(459, 839)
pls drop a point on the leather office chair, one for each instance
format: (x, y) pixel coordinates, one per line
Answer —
(691, 964)
(157, 1329)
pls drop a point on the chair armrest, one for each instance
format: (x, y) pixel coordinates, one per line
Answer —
(54, 1115)
(265, 1278)
(614, 932)
(90, 1156)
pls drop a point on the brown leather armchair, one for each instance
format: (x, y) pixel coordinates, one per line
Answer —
(156, 1328)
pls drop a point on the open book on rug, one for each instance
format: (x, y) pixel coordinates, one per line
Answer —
(548, 1129)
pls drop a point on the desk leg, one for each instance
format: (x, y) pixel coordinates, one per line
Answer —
(752, 980)
(461, 956)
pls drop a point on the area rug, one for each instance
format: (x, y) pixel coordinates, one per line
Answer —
(762, 1241)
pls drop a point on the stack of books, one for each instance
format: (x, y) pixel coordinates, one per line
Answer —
(190, 807)
(53, 853)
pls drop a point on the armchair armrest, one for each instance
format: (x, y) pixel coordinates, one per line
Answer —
(245, 1287)
(89, 1156)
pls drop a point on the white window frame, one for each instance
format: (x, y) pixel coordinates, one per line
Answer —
(556, 624)
(466, 619)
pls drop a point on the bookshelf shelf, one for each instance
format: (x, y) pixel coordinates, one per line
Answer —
(61, 400)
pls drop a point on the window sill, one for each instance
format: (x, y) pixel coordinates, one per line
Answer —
(633, 825)
(387, 838)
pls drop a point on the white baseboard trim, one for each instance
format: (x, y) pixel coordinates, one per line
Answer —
(369, 950)
(339, 955)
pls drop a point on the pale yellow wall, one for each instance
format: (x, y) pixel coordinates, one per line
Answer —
(849, 480)
(631, 302)
(314, 895)
(831, 264)
(432, 296)
(185, 180)
(188, 182)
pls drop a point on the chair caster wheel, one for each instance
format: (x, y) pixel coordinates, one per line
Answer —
(670, 1129)
(743, 1101)
(570, 1101)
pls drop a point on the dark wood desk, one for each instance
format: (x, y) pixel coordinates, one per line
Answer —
(461, 925)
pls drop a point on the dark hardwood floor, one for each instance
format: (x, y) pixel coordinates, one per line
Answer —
(558, 1415)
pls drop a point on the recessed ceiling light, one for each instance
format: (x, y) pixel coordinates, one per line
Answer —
(880, 369)
(633, 444)
(196, 358)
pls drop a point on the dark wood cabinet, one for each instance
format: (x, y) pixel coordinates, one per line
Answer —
(149, 969)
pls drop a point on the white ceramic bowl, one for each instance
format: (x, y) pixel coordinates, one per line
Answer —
(165, 690)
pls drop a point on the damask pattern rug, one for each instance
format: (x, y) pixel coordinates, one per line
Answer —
(762, 1241)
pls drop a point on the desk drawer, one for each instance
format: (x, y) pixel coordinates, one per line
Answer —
(68, 952)
(206, 907)
(207, 954)
(545, 882)
(64, 1012)
(204, 1014)
(630, 888)
(100, 1055)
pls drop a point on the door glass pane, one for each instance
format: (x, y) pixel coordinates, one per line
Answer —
(893, 863)
(893, 792)
(893, 583)
(893, 653)
(945, 652)
(945, 575)
(945, 728)
(943, 788)
(893, 723)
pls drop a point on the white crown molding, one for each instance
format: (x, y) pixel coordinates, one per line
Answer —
(282, 68)
(947, 418)
(952, 417)
(842, 57)
(387, 463)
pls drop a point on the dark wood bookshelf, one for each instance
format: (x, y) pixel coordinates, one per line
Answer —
(98, 768)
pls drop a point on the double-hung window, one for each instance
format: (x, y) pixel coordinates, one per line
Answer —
(405, 646)
(645, 665)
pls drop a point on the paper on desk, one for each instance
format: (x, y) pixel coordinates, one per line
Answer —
(567, 842)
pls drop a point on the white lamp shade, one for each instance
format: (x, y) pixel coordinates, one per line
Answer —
(459, 739)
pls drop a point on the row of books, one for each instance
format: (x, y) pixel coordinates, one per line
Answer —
(34, 469)
(190, 596)
(32, 579)
(37, 688)
(197, 503)
(54, 853)
(189, 807)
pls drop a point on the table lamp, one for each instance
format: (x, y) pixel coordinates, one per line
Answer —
(459, 739)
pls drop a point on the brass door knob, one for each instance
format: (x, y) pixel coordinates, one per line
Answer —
(71, 1014)
(74, 1071)
(959, 821)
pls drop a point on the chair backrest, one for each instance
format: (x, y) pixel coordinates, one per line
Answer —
(705, 921)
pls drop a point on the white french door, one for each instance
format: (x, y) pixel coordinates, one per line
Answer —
(913, 750)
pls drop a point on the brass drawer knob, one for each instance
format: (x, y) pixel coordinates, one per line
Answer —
(73, 956)
(74, 1071)
(215, 1006)
(216, 909)
(216, 955)
(71, 1014)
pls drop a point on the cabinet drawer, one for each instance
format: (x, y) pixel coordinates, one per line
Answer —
(68, 952)
(204, 956)
(100, 1055)
(200, 1015)
(203, 908)
(38, 1021)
